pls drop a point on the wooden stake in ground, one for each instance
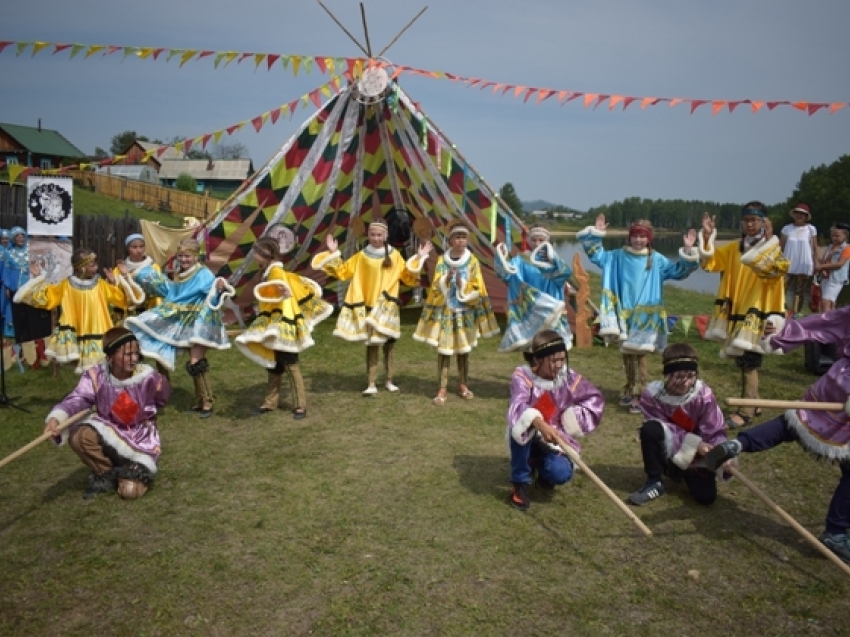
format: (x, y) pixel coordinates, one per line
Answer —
(783, 404)
(584, 337)
(573, 455)
(13, 456)
(811, 539)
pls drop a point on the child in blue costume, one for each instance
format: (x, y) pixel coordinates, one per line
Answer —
(536, 281)
(188, 318)
(632, 312)
(5, 307)
(16, 272)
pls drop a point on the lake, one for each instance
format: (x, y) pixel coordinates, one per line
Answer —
(699, 281)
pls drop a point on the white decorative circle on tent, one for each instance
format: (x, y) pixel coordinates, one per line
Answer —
(372, 84)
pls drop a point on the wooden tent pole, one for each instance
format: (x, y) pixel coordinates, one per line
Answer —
(393, 41)
(366, 30)
(811, 539)
(339, 24)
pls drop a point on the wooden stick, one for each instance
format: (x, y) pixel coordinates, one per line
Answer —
(339, 24)
(783, 404)
(43, 437)
(811, 539)
(572, 455)
(407, 26)
(366, 30)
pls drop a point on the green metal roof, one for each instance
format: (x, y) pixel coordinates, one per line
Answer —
(43, 142)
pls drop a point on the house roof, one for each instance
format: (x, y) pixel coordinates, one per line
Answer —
(43, 141)
(169, 153)
(217, 169)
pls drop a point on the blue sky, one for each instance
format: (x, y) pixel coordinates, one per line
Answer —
(724, 49)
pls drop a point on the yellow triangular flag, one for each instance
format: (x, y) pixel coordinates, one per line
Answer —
(188, 55)
(38, 46)
(14, 171)
(94, 48)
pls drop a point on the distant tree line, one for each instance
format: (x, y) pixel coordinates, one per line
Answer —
(826, 189)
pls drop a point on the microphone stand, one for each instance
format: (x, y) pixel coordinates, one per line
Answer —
(5, 401)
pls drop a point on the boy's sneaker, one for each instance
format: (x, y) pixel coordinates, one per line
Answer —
(838, 543)
(634, 408)
(719, 454)
(519, 497)
(650, 491)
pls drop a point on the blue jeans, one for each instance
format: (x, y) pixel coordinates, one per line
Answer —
(777, 431)
(553, 467)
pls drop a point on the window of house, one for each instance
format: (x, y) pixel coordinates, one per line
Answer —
(45, 163)
(12, 159)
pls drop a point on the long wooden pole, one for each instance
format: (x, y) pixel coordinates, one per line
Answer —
(783, 404)
(811, 539)
(43, 437)
(572, 455)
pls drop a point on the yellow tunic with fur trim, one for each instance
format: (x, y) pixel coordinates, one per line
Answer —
(290, 306)
(83, 319)
(370, 312)
(751, 290)
(455, 316)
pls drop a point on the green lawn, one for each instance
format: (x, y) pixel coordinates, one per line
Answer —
(388, 516)
(91, 203)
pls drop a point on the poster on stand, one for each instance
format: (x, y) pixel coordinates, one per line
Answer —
(50, 206)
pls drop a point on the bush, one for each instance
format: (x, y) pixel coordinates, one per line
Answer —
(186, 183)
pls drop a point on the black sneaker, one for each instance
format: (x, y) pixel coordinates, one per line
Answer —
(649, 492)
(838, 543)
(519, 497)
(719, 454)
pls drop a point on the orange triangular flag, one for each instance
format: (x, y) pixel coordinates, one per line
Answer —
(518, 89)
(836, 106)
(717, 106)
(646, 101)
(756, 106)
(589, 97)
(615, 99)
(800, 106)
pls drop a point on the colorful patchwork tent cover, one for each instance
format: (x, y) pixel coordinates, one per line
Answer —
(355, 160)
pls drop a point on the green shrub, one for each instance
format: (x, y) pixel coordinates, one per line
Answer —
(186, 183)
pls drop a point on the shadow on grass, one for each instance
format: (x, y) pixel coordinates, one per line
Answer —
(74, 481)
(483, 475)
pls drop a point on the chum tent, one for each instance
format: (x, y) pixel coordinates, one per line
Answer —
(349, 162)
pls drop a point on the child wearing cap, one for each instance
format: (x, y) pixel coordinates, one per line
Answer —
(370, 313)
(824, 434)
(136, 261)
(456, 312)
(536, 280)
(290, 306)
(683, 423)
(550, 403)
(832, 270)
(632, 312)
(15, 273)
(750, 295)
(799, 244)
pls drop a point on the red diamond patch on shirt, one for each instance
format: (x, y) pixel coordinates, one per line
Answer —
(125, 408)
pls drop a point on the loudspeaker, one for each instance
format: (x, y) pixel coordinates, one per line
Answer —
(819, 358)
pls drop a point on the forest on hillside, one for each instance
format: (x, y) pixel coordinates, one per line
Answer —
(825, 188)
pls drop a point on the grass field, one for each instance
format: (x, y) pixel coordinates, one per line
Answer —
(389, 516)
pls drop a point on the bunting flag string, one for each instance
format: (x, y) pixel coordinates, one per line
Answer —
(353, 68)
(18, 172)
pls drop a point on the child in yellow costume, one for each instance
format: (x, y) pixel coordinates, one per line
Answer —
(457, 310)
(84, 298)
(750, 295)
(370, 312)
(290, 306)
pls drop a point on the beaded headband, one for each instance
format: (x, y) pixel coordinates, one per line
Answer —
(85, 261)
(536, 232)
(681, 364)
(115, 345)
(547, 349)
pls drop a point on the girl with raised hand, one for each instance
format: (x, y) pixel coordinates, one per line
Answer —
(84, 300)
(370, 313)
(631, 312)
(189, 318)
(457, 311)
(290, 306)
(536, 281)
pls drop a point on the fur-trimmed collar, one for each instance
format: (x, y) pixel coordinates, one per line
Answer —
(656, 388)
(377, 253)
(544, 383)
(268, 270)
(83, 284)
(188, 274)
(459, 262)
(141, 372)
(639, 253)
(133, 266)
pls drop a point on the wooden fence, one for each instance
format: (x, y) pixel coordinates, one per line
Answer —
(148, 196)
(105, 235)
